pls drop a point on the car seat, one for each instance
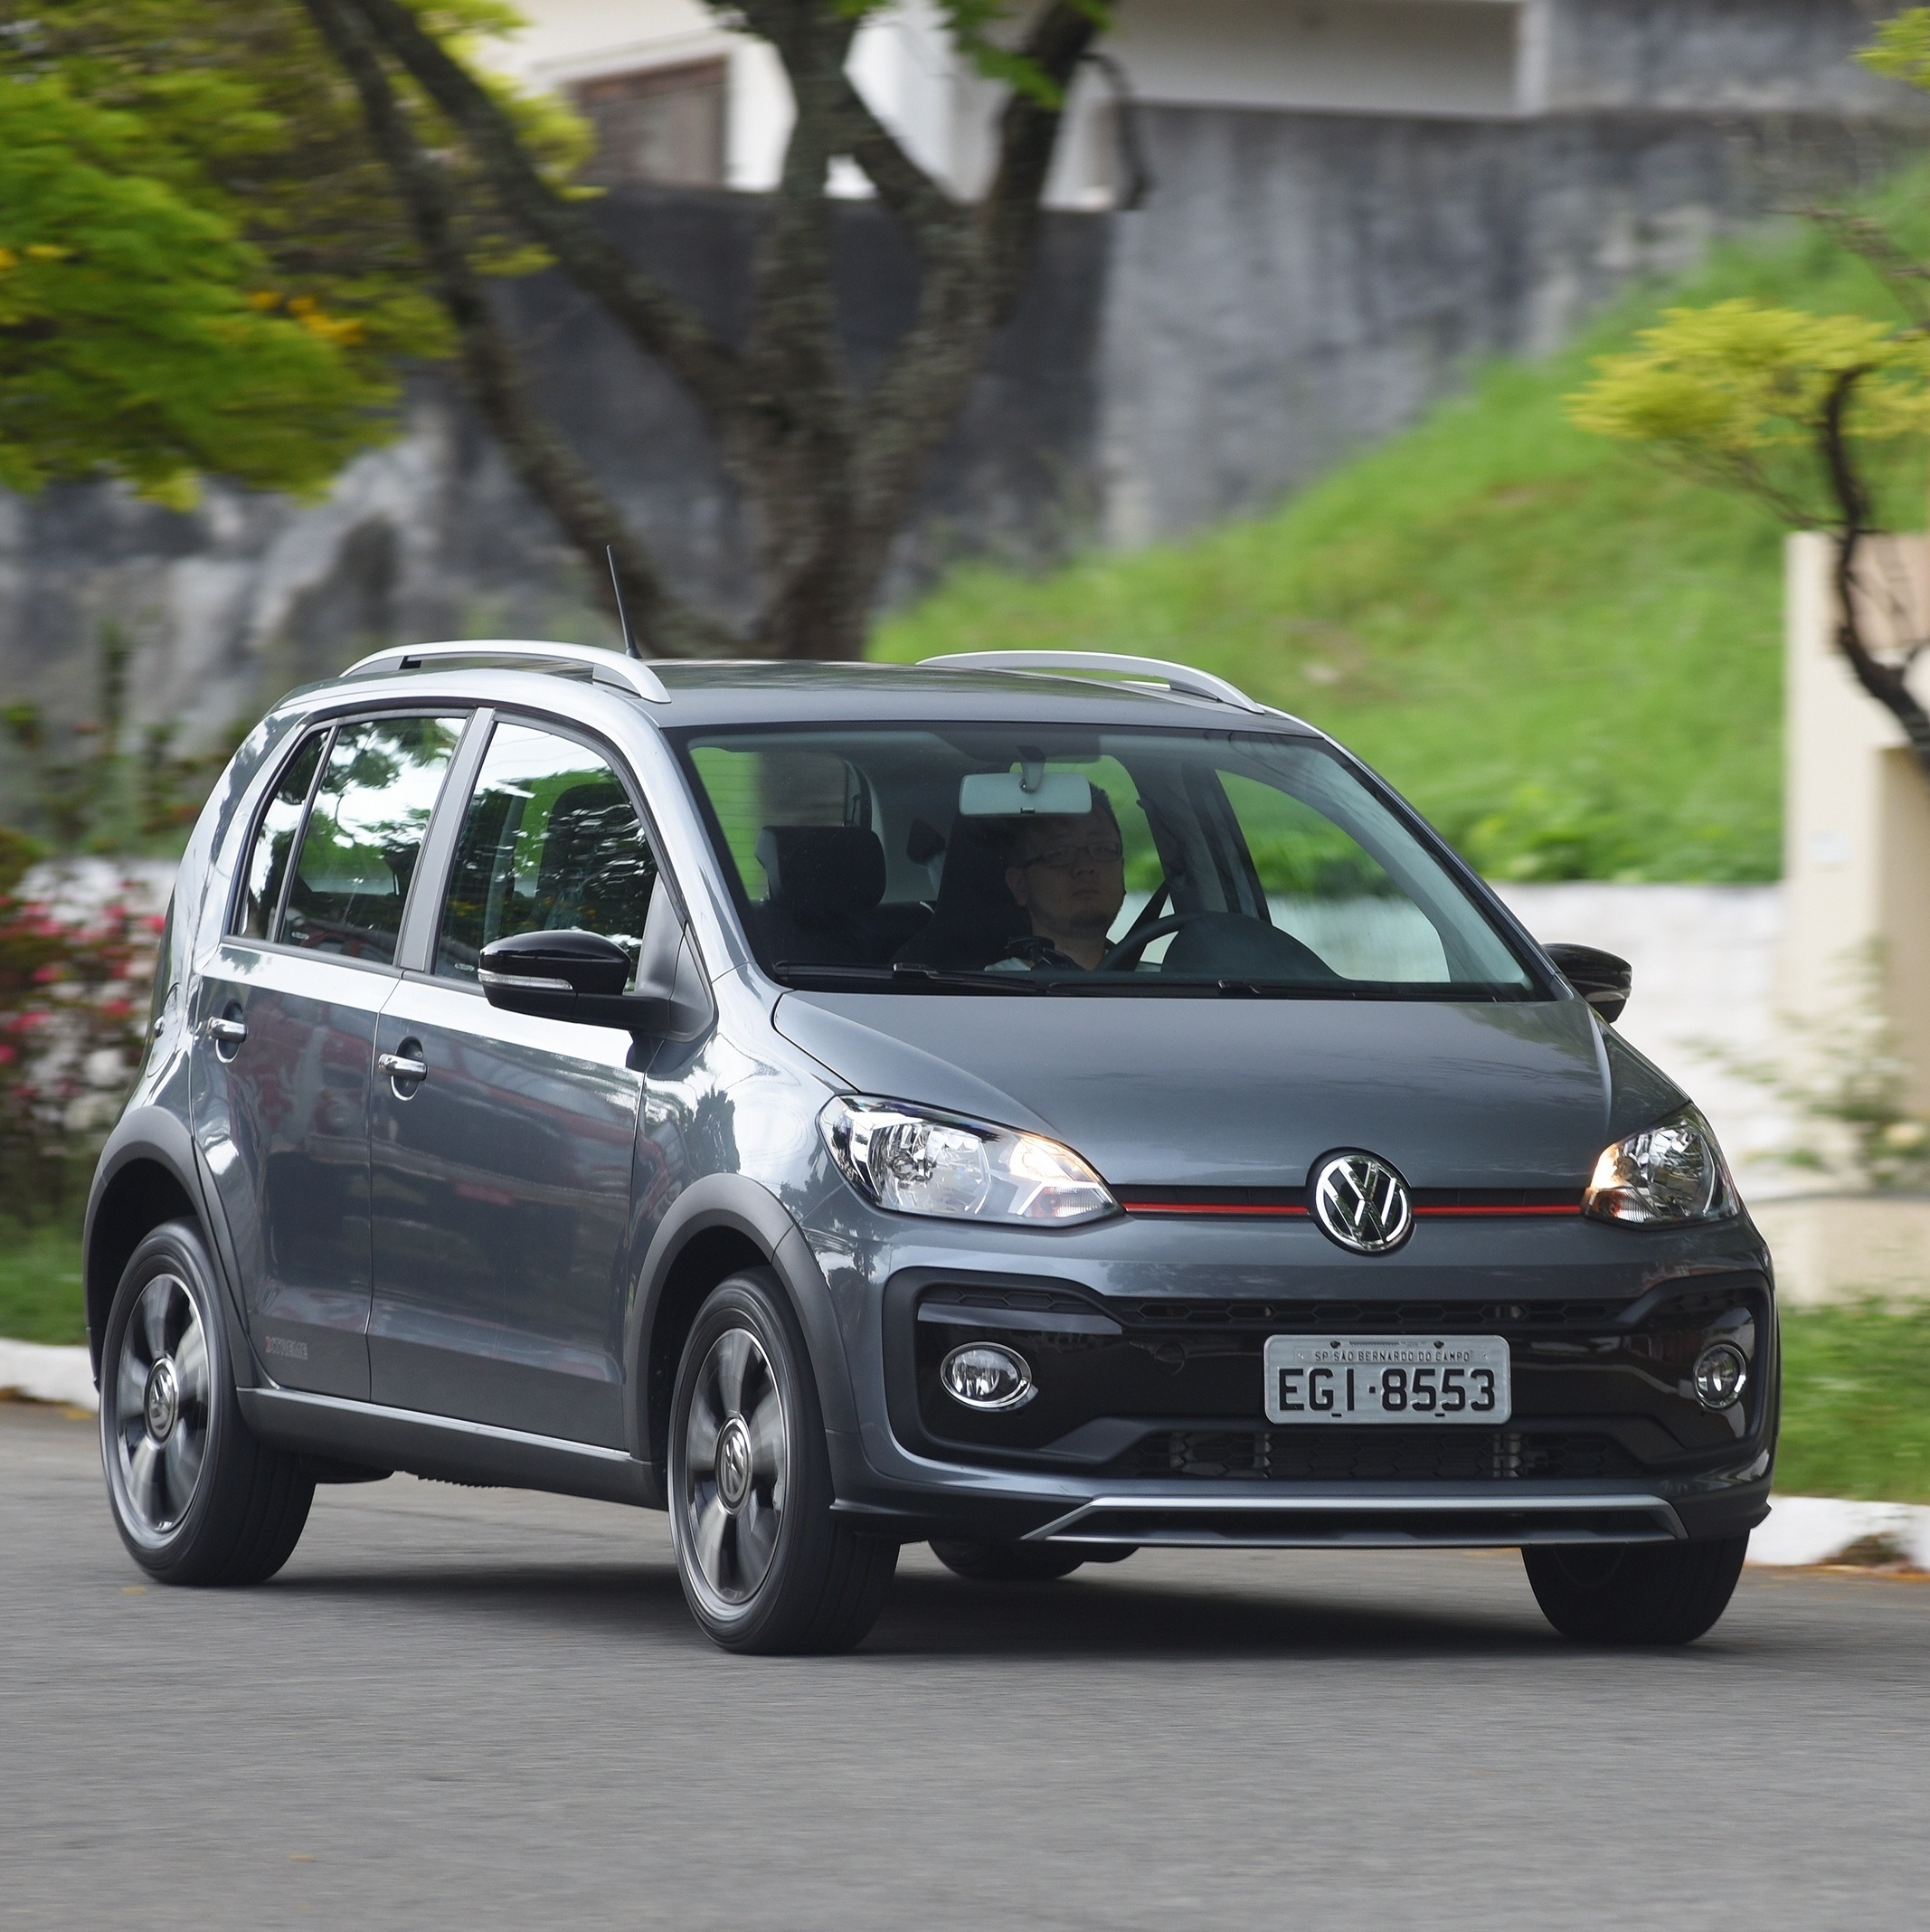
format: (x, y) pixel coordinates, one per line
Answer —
(974, 918)
(823, 883)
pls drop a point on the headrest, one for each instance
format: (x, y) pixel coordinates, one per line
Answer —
(822, 871)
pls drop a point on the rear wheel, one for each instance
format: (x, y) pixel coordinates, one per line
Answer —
(1009, 1562)
(1635, 1593)
(196, 1499)
(765, 1565)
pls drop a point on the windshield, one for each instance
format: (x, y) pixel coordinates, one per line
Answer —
(1016, 860)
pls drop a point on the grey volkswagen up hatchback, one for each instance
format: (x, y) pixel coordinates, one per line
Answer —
(1044, 1105)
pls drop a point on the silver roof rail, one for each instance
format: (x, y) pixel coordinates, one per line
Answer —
(605, 667)
(1157, 671)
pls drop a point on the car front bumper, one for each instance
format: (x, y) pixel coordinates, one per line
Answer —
(1148, 1427)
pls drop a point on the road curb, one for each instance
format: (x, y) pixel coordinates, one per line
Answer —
(37, 1373)
(1802, 1530)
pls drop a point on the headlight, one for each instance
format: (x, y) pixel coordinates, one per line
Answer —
(911, 1161)
(1670, 1172)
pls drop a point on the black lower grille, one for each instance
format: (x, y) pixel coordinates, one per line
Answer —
(1396, 1455)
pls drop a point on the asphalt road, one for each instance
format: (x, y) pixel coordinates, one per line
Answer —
(475, 1708)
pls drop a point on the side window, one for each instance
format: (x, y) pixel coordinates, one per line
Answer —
(1325, 888)
(365, 834)
(267, 863)
(550, 840)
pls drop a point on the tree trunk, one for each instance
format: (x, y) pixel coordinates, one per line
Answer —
(1887, 683)
(829, 476)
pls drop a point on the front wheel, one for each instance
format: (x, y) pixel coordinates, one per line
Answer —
(1635, 1593)
(765, 1565)
(196, 1499)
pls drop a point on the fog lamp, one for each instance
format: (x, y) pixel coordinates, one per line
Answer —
(1721, 1371)
(984, 1375)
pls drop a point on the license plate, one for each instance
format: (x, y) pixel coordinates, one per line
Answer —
(1431, 1378)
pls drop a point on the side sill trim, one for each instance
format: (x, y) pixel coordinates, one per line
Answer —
(1445, 1522)
(446, 1447)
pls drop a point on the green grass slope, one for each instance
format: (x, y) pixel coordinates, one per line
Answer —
(1568, 658)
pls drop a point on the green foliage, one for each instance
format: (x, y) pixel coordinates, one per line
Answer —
(1901, 49)
(129, 340)
(1737, 394)
(1569, 660)
(204, 268)
(73, 987)
(1788, 404)
(1856, 1403)
(41, 1298)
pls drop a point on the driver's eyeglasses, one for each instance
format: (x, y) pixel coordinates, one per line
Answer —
(1062, 857)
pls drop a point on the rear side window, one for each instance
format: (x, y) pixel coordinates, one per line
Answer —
(372, 807)
(267, 862)
(550, 840)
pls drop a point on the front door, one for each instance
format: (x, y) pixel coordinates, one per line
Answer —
(287, 1014)
(503, 1145)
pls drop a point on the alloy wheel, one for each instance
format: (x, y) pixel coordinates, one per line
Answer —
(736, 1462)
(158, 1429)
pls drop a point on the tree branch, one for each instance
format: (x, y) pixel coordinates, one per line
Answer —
(547, 468)
(659, 324)
(929, 214)
(973, 276)
(1029, 131)
(798, 440)
(1884, 682)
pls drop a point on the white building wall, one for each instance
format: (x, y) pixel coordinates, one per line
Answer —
(1452, 57)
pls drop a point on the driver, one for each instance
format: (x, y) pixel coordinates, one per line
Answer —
(1069, 876)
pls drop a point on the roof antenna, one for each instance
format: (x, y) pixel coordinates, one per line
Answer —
(615, 583)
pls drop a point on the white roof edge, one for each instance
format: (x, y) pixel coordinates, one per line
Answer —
(1182, 677)
(606, 667)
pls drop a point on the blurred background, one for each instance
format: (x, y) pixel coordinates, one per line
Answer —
(1458, 374)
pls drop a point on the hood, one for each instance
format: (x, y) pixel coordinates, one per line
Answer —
(1247, 1092)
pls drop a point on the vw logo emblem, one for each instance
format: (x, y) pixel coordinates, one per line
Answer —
(1362, 1202)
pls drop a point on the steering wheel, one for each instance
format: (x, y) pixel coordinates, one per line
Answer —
(1134, 943)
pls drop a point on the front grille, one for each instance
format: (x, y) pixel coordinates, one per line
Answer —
(1425, 1318)
(1382, 1455)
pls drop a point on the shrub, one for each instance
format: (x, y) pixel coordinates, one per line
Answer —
(73, 1012)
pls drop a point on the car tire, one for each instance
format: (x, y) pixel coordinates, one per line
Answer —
(1635, 1593)
(196, 1499)
(766, 1566)
(1009, 1562)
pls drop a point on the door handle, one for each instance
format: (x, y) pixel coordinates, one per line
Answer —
(220, 1028)
(400, 1066)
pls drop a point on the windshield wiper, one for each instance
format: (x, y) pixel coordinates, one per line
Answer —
(801, 973)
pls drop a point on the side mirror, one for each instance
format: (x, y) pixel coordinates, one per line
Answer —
(1600, 978)
(580, 976)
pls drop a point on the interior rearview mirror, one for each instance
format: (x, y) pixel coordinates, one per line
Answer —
(1023, 794)
(1601, 979)
(574, 975)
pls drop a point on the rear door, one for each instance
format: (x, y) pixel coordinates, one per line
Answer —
(285, 1011)
(503, 1145)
